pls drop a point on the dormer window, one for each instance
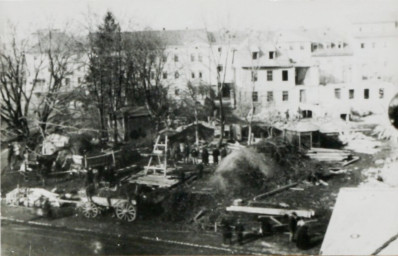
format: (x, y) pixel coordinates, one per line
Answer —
(271, 55)
(254, 55)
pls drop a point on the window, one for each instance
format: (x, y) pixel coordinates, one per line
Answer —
(301, 47)
(193, 75)
(219, 49)
(285, 96)
(176, 58)
(270, 96)
(271, 55)
(381, 93)
(337, 93)
(192, 58)
(351, 94)
(269, 75)
(254, 55)
(200, 75)
(67, 81)
(254, 76)
(255, 96)
(219, 68)
(362, 45)
(164, 75)
(177, 91)
(285, 76)
(332, 45)
(176, 75)
(291, 47)
(366, 93)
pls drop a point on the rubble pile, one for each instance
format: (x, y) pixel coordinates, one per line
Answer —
(361, 143)
(242, 169)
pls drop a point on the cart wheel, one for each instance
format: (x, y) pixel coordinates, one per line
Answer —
(90, 210)
(126, 211)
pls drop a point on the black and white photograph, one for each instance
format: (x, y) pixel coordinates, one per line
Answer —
(199, 127)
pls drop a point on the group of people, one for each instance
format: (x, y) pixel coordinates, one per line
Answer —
(298, 230)
(191, 154)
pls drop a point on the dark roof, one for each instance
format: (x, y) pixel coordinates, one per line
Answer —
(177, 37)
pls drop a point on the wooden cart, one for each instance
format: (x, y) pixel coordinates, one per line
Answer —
(125, 210)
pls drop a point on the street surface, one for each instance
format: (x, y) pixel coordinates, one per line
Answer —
(22, 239)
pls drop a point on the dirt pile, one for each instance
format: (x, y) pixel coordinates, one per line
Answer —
(243, 170)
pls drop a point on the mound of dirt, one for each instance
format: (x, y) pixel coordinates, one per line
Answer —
(242, 171)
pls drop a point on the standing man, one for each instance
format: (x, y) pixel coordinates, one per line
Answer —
(194, 154)
(205, 156)
(186, 153)
(239, 232)
(226, 231)
(216, 153)
(292, 226)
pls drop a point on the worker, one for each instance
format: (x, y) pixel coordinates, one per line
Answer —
(292, 226)
(194, 154)
(205, 156)
(265, 226)
(239, 232)
(302, 237)
(226, 231)
(187, 152)
(216, 153)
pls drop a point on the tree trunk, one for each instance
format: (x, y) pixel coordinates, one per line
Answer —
(196, 127)
(115, 132)
(104, 132)
(221, 115)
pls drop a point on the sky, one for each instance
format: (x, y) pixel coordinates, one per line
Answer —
(30, 15)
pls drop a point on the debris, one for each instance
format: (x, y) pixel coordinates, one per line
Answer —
(353, 160)
(275, 191)
(271, 211)
(283, 205)
(199, 215)
(297, 189)
(379, 161)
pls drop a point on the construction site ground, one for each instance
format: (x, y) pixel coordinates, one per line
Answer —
(320, 198)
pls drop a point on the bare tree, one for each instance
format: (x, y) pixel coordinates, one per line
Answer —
(15, 94)
(58, 50)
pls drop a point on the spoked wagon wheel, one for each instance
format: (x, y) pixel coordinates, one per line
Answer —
(126, 211)
(90, 210)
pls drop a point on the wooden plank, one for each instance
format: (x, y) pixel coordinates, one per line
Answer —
(275, 191)
(270, 211)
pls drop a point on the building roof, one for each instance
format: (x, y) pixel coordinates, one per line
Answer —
(44, 39)
(363, 220)
(302, 126)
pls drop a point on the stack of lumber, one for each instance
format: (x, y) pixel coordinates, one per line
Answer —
(328, 155)
(156, 180)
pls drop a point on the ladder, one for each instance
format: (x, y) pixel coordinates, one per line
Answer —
(158, 159)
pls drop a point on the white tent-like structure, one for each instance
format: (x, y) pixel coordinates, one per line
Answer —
(364, 222)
